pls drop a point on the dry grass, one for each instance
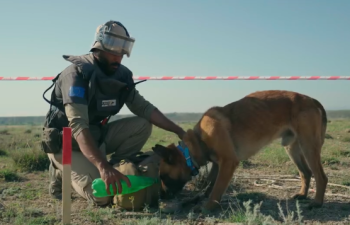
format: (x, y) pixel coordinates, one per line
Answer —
(24, 197)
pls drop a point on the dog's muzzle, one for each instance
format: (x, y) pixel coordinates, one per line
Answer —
(172, 186)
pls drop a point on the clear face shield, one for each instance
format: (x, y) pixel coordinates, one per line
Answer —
(114, 43)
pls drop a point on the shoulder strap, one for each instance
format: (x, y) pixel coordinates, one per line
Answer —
(51, 116)
(128, 89)
(53, 83)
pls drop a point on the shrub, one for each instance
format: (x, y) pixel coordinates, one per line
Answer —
(30, 160)
(3, 152)
(9, 175)
(4, 132)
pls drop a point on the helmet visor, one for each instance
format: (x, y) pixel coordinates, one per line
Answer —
(115, 43)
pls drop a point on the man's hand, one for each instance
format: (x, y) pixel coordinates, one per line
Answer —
(161, 121)
(112, 176)
(108, 174)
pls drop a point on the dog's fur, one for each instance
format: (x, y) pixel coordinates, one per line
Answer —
(226, 135)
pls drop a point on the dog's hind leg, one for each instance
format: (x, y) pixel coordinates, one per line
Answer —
(296, 155)
(310, 140)
(312, 155)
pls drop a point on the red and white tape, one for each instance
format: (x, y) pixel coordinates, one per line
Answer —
(201, 78)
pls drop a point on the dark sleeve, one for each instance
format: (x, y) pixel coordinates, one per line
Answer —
(73, 88)
(137, 104)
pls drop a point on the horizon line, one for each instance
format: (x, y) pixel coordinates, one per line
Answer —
(130, 114)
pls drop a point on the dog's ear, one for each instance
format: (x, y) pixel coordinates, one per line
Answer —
(165, 153)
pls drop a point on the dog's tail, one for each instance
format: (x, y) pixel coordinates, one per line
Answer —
(324, 117)
(324, 114)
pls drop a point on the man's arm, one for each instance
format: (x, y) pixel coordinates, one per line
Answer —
(77, 115)
(143, 108)
(78, 120)
(160, 120)
(73, 89)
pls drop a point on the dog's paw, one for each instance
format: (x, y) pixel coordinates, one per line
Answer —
(299, 196)
(206, 208)
(314, 205)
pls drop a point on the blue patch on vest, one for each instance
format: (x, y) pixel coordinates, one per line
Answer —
(76, 91)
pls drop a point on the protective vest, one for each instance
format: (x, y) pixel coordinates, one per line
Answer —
(106, 95)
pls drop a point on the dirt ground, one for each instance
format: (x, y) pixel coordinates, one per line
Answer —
(269, 177)
(29, 199)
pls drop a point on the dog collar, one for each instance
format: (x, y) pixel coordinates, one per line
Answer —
(186, 153)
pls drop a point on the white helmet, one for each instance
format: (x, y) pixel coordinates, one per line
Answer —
(113, 37)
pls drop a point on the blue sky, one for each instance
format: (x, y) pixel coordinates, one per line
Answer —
(182, 38)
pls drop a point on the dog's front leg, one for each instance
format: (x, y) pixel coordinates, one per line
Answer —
(226, 170)
(212, 178)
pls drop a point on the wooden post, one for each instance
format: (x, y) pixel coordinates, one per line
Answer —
(66, 175)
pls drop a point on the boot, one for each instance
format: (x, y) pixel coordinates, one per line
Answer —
(55, 186)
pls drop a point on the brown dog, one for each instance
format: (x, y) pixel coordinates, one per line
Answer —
(226, 135)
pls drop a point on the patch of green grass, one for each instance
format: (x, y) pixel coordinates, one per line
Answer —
(345, 139)
(29, 194)
(22, 214)
(35, 220)
(237, 217)
(10, 191)
(346, 183)
(251, 214)
(30, 160)
(9, 212)
(99, 215)
(29, 131)
(345, 153)
(153, 221)
(330, 160)
(9, 175)
(274, 154)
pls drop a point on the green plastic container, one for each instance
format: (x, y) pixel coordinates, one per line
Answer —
(137, 183)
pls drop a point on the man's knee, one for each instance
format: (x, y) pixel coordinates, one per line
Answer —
(99, 201)
(82, 185)
(144, 127)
